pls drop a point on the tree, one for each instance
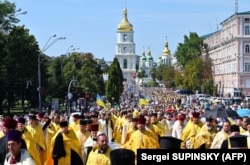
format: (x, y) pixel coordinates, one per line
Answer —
(114, 86)
(197, 74)
(7, 16)
(6, 9)
(19, 63)
(190, 49)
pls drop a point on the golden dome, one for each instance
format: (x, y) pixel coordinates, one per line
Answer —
(166, 51)
(125, 26)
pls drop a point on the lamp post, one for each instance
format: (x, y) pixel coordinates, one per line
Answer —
(70, 95)
(62, 58)
(46, 46)
(10, 18)
(68, 50)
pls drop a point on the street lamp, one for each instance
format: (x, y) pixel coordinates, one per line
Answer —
(62, 59)
(70, 95)
(47, 45)
(68, 50)
(11, 18)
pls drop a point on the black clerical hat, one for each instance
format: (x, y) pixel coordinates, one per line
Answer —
(122, 156)
(238, 141)
(169, 142)
(63, 124)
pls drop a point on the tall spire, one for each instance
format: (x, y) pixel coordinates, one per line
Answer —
(236, 6)
(125, 25)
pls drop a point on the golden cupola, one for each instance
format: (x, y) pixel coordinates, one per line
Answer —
(166, 51)
(125, 25)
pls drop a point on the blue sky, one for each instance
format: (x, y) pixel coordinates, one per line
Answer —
(91, 25)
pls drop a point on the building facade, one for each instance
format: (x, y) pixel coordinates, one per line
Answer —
(229, 50)
(125, 49)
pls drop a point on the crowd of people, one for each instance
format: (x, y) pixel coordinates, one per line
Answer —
(107, 137)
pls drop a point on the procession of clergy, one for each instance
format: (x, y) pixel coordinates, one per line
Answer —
(91, 137)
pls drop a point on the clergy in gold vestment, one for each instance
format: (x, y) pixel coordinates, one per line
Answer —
(142, 138)
(221, 135)
(131, 130)
(66, 148)
(157, 125)
(38, 136)
(205, 136)
(27, 136)
(100, 154)
(191, 130)
(75, 123)
(82, 136)
(118, 126)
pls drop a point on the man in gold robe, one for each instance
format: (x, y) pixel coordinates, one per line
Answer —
(27, 136)
(82, 136)
(142, 138)
(38, 136)
(100, 153)
(75, 123)
(191, 130)
(206, 135)
(66, 148)
(221, 135)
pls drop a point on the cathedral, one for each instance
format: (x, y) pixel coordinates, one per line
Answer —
(130, 63)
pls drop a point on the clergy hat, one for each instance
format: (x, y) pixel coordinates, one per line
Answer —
(32, 117)
(89, 121)
(21, 120)
(10, 123)
(181, 117)
(14, 135)
(83, 122)
(238, 141)
(195, 114)
(234, 128)
(39, 115)
(169, 142)
(154, 114)
(134, 119)
(63, 124)
(141, 120)
(75, 116)
(209, 119)
(122, 156)
(93, 127)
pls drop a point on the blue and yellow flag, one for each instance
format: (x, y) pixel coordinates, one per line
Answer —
(142, 100)
(100, 102)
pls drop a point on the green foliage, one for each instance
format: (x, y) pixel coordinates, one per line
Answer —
(7, 15)
(19, 60)
(114, 86)
(78, 65)
(197, 73)
(190, 49)
(151, 83)
(165, 73)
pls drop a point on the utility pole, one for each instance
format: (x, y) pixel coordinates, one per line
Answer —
(46, 46)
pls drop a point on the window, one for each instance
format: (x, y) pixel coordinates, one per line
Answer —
(125, 64)
(247, 19)
(124, 49)
(124, 37)
(247, 48)
(247, 30)
(247, 67)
